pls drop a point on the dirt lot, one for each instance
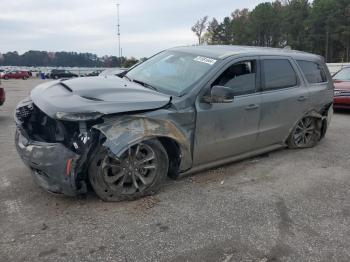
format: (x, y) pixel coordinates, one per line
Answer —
(286, 206)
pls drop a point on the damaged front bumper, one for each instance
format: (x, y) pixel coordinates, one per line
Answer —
(52, 165)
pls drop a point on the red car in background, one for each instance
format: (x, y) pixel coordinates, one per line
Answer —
(342, 89)
(16, 75)
(2, 95)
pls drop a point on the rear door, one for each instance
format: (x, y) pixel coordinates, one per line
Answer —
(284, 99)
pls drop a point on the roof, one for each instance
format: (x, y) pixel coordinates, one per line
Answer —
(224, 51)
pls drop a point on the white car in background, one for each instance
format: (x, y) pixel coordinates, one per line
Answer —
(112, 72)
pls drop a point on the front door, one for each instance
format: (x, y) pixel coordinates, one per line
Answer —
(229, 129)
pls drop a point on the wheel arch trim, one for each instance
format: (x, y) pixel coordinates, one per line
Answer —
(324, 117)
(128, 130)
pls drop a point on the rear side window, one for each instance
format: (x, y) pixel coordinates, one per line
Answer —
(312, 71)
(278, 74)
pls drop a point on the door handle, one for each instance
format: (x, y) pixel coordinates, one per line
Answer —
(302, 98)
(252, 106)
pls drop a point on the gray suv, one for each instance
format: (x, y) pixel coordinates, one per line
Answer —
(183, 110)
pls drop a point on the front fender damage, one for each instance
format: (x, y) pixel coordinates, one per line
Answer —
(126, 131)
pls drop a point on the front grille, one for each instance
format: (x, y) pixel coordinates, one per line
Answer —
(40, 127)
(24, 110)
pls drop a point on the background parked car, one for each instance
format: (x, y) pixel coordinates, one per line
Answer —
(342, 89)
(94, 73)
(15, 75)
(57, 73)
(2, 95)
(111, 72)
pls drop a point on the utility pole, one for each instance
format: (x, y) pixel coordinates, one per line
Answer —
(118, 33)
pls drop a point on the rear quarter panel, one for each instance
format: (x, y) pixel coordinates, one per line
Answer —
(321, 94)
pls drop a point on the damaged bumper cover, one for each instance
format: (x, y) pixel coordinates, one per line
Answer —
(52, 165)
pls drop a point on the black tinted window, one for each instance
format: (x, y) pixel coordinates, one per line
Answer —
(312, 71)
(241, 77)
(277, 74)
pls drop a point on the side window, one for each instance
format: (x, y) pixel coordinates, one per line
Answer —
(343, 74)
(241, 77)
(312, 71)
(278, 74)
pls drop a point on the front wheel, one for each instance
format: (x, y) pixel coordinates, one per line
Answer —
(139, 171)
(305, 134)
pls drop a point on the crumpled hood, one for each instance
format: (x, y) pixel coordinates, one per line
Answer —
(106, 95)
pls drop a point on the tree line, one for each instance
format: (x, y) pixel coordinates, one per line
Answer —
(68, 59)
(321, 27)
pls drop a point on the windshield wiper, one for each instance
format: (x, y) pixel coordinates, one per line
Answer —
(145, 84)
(128, 78)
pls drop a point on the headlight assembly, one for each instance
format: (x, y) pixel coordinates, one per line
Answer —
(78, 116)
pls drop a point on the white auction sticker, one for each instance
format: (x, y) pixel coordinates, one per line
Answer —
(206, 60)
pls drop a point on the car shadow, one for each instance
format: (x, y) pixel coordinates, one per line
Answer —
(342, 111)
(4, 118)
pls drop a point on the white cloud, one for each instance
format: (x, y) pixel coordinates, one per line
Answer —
(90, 26)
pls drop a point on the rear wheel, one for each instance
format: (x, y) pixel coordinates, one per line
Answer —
(139, 171)
(305, 134)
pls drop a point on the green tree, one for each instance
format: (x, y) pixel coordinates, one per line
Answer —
(240, 27)
(294, 24)
(319, 26)
(263, 25)
(130, 62)
(212, 36)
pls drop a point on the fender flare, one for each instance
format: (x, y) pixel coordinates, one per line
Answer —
(126, 131)
(324, 118)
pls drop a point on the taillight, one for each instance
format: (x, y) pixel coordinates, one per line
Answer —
(68, 166)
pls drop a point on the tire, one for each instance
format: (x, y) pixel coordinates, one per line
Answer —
(127, 178)
(56, 77)
(6, 78)
(305, 134)
(25, 78)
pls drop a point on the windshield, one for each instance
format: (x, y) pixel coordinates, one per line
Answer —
(171, 72)
(343, 75)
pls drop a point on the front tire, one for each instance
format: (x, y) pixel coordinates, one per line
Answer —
(140, 171)
(305, 134)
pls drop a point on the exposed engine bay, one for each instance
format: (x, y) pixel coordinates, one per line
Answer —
(77, 137)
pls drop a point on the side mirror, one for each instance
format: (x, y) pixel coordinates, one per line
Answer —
(219, 94)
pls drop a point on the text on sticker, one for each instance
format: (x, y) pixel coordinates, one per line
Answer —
(205, 60)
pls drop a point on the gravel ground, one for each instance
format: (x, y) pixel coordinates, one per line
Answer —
(289, 205)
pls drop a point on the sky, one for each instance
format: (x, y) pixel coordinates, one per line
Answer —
(90, 26)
